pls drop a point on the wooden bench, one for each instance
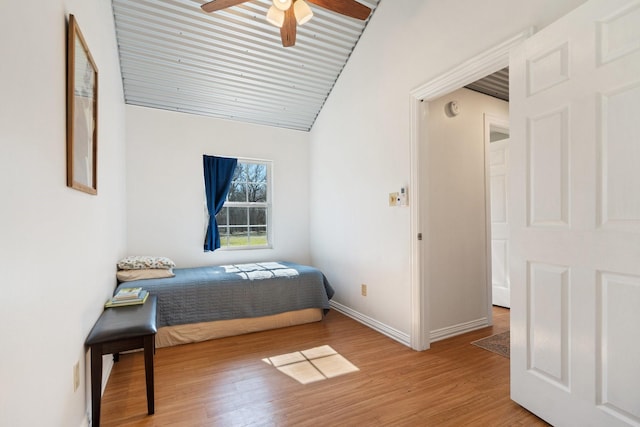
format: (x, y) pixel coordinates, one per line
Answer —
(121, 329)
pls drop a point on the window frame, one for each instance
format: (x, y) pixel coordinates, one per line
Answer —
(224, 241)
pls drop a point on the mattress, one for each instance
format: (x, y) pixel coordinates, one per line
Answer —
(236, 291)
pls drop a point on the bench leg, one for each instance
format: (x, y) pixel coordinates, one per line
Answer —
(96, 383)
(149, 349)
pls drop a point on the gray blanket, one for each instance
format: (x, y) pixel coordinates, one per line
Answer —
(236, 291)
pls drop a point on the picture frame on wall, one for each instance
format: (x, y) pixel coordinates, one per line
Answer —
(82, 113)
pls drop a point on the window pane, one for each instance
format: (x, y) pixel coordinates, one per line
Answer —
(239, 174)
(221, 218)
(257, 216)
(238, 230)
(239, 236)
(237, 192)
(257, 193)
(238, 216)
(258, 236)
(257, 173)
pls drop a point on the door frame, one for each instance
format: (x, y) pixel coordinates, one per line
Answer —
(488, 62)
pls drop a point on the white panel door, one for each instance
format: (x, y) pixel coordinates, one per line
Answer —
(574, 218)
(498, 166)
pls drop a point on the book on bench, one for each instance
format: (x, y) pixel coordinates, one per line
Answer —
(127, 293)
(129, 300)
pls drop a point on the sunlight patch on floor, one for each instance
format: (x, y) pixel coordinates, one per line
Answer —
(314, 364)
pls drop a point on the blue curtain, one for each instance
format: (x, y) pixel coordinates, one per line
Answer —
(218, 172)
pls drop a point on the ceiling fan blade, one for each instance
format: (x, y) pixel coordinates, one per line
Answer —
(288, 30)
(345, 7)
(215, 5)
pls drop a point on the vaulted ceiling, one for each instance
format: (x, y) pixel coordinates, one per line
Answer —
(231, 64)
(496, 84)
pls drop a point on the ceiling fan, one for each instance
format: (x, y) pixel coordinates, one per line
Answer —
(286, 14)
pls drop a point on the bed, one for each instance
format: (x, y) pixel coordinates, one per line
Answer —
(203, 303)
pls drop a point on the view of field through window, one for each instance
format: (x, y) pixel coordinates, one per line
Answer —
(243, 220)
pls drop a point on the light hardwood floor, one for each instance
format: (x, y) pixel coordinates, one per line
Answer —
(224, 382)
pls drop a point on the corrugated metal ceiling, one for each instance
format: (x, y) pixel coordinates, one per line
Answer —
(496, 85)
(231, 64)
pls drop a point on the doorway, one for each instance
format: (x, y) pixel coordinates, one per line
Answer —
(454, 177)
(487, 63)
(496, 141)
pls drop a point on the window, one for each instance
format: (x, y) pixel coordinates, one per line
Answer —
(244, 219)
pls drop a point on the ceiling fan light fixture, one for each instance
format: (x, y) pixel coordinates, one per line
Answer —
(275, 17)
(302, 11)
(282, 4)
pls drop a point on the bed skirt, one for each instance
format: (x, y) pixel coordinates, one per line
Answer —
(195, 332)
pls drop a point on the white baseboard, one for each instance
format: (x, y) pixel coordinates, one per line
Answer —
(107, 366)
(392, 333)
(460, 328)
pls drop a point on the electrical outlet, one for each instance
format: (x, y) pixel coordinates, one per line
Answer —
(363, 290)
(76, 376)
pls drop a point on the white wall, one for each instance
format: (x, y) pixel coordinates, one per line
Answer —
(58, 246)
(165, 185)
(454, 184)
(360, 144)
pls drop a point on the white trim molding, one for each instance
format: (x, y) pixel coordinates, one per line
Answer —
(392, 333)
(488, 62)
(459, 329)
